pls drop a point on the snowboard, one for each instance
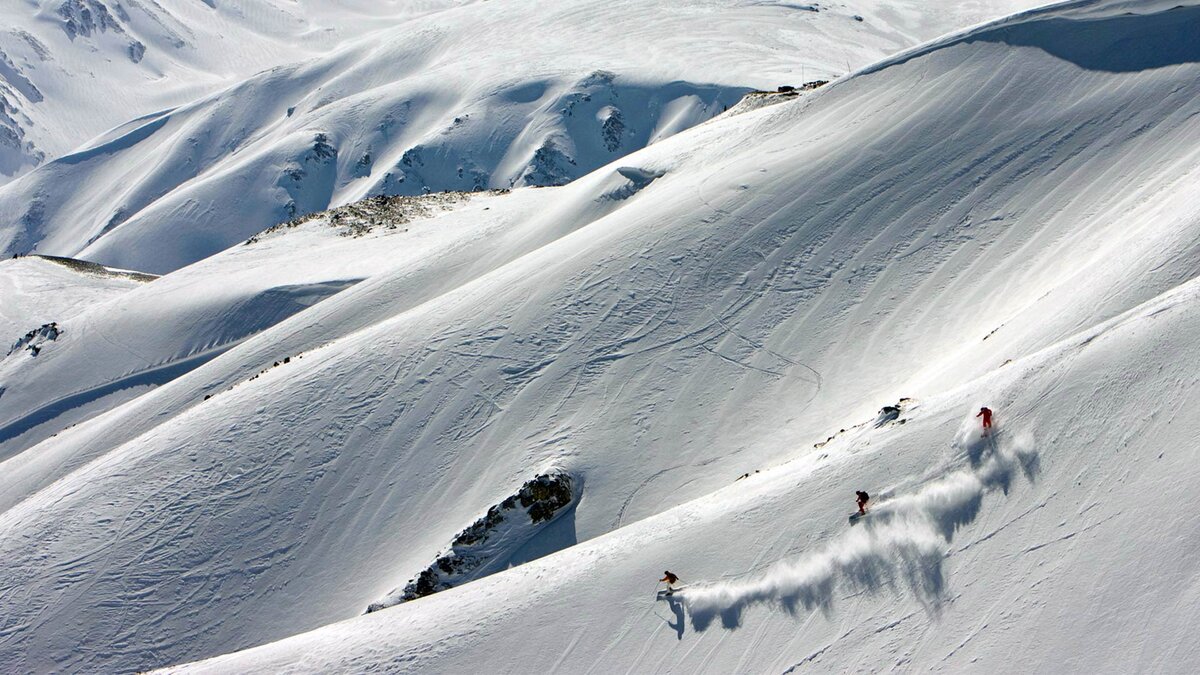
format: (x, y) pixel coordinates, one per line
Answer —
(856, 516)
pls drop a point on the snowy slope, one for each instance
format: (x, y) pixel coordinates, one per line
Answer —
(1055, 548)
(712, 305)
(115, 349)
(490, 94)
(71, 69)
(39, 290)
(1062, 530)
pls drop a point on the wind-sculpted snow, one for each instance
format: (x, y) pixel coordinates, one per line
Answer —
(900, 546)
(487, 95)
(978, 223)
(167, 347)
(1010, 565)
(1119, 43)
(70, 69)
(237, 163)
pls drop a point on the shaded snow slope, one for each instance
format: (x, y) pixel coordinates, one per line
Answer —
(113, 351)
(708, 306)
(495, 94)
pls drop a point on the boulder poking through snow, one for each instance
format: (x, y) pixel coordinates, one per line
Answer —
(34, 339)
(487, 544)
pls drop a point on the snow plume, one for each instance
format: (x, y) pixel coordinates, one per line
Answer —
(900, 546)
(865, 558)
(995, 456)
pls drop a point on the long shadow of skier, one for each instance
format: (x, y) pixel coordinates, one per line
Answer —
(980, 448)
(676, 605)
(1003, 453)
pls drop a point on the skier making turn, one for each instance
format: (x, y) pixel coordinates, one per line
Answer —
(862, 502)
(671, 580)
(986, 413)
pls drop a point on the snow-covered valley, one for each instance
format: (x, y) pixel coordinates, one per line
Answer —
(536, 398)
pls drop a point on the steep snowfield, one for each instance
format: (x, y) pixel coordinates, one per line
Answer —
(1005, 217)
(71, 69)
(494, 94)
(1058, 546)
(113, 351)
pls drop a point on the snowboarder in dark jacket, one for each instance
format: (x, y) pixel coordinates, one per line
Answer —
(986, 413)
(671, 580)
(862, 502)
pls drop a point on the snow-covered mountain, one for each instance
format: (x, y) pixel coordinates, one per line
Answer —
(485, 95)
(541, 398)
(72, 69)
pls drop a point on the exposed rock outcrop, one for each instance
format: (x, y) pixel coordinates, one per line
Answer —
(486, 544)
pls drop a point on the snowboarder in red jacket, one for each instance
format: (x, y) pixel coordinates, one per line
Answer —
(671, 580)
(986, 413)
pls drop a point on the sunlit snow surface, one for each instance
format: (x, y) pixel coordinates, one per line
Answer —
(271, 109)
(1004, 218)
